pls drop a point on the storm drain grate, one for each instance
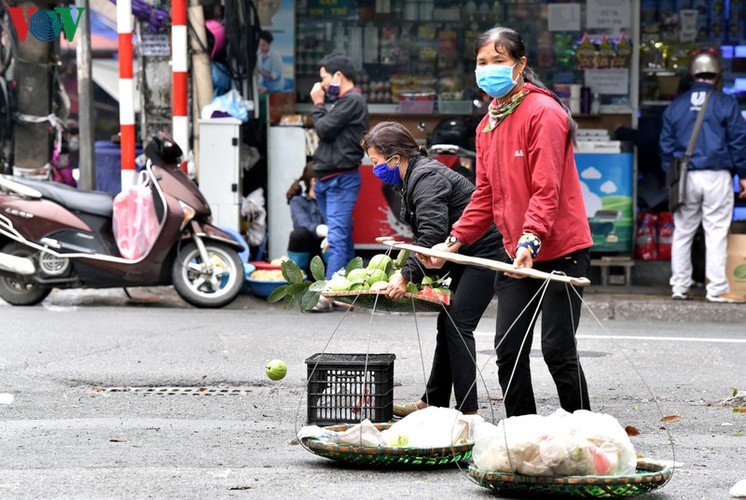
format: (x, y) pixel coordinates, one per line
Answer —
(179, 391)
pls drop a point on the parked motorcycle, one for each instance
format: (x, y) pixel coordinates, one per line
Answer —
(54, 236)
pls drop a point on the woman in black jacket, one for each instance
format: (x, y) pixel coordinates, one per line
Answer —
(433, 197)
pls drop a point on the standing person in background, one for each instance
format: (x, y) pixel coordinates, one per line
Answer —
(270, 63)
(719, 151)
(528, 185)
(340, 128)
(308, 237)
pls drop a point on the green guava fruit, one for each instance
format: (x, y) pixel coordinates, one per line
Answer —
(276, 369)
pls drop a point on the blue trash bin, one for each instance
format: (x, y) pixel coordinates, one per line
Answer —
(108, 157)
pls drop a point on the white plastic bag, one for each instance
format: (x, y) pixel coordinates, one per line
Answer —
(232, 103)
(582, 443)
(364, 433)
(252, 207)
(431, 427)
(135, 223)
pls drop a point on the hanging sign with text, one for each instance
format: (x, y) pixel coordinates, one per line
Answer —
(612, 81)
(608, 14)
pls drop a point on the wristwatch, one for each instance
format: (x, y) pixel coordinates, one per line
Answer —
(451, 240)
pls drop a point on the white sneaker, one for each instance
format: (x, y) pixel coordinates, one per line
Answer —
(680, 296)
(727, 298)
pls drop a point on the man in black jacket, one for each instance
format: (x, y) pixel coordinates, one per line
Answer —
(340, 127)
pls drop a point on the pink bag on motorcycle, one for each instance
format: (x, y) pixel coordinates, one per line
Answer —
(135, 222)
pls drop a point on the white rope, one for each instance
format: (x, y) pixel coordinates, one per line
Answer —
(621, 349)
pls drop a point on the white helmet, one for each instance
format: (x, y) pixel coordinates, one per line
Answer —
(705, 62)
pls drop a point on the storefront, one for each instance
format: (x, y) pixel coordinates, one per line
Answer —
(615, 63)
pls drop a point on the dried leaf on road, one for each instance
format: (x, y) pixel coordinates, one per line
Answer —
(116, 440)
(671, 418)
(397, 383)
(632, 430)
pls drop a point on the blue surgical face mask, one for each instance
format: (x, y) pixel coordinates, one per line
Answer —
(496, 80)
(389, 175)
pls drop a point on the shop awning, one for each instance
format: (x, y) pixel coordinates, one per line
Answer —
(105, 73)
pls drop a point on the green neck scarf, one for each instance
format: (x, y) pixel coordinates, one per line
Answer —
(498, 112)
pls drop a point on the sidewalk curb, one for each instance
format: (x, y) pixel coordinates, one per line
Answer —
(608, 307)
(606, 303)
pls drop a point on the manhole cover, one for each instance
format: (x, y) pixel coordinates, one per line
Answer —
(536, 353)
(179, 391)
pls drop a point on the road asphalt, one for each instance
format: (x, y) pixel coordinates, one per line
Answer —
(79, 419)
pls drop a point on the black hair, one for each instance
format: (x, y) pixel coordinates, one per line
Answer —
(305, 178)
(338, 62)
(392, 138)
(266, 36)
(510, 41)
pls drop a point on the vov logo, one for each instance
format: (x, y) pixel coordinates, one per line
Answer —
(45, 24)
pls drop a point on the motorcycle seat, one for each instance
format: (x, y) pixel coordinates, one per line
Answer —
(91, 202)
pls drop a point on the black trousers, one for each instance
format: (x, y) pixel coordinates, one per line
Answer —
(560, 314)
(455, 351)
(303, 240)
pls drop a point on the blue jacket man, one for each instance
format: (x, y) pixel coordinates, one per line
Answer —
(719, 152)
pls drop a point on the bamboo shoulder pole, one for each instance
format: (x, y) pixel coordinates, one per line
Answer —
(482, 262)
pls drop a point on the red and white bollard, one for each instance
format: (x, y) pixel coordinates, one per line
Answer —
(126, 93)
(179, 69)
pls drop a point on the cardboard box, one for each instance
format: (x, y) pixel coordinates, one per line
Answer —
(735, 269)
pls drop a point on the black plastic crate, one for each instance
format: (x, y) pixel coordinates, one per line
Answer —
(342, 390)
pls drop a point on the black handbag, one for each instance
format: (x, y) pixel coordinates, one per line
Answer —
(676, 175)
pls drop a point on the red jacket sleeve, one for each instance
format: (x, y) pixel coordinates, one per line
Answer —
(547, 143)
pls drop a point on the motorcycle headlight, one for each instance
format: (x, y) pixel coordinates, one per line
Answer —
(188, 214)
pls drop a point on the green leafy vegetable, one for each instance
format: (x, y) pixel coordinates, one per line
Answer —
(279, 294)
(291, 272)
(356, 263)
(401, 259)
(318, 269)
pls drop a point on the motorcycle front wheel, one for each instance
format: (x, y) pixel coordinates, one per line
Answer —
(21, 290)
(214, 283)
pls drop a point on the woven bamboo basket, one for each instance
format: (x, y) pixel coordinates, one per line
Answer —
(648, 477)
(382, 456)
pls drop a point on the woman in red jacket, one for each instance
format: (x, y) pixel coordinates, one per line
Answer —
(527, 184)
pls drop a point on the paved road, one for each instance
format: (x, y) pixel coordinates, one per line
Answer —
(68, 433)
